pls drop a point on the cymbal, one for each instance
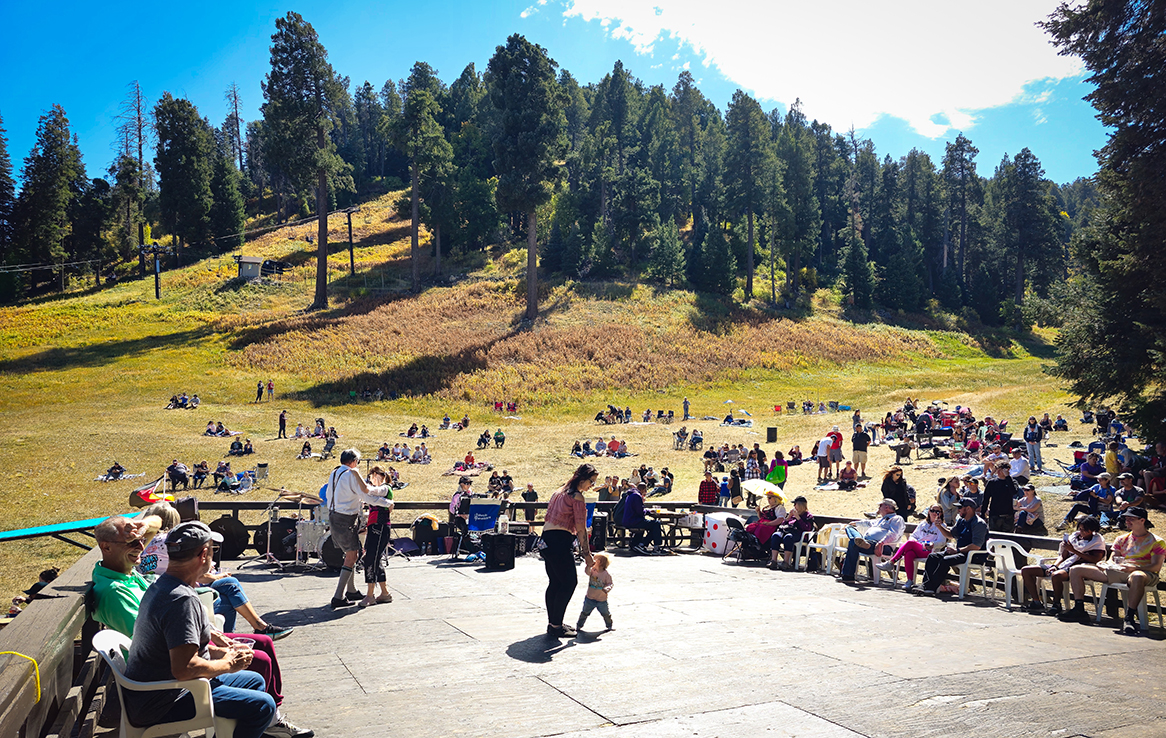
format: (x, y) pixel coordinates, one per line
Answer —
(299, 497)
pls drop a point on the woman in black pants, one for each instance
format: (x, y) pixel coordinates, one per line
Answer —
(566, 521)
(376, 541)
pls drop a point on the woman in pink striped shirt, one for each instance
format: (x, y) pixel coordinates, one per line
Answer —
(566, 521)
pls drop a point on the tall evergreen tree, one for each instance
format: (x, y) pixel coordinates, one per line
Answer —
(53, 178)
(859, 279)
(667, 262)
(530, 141)
(959, 173)
(184, 162)
(718, 266)
(300, 93)
(422, 140)
(227, 216)
(1123, 261)
(745, 165)
(799, 235)
(7, 196)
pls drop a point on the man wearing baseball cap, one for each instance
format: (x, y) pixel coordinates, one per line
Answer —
(879, 539)
(1136, 562)
(173, 640)
(970, 533)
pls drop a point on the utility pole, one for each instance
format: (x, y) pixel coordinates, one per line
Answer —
(351, 258)
(155, 250)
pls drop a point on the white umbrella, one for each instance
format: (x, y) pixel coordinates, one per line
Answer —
(760, 487)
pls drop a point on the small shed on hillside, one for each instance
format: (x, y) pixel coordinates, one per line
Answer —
(249, 266)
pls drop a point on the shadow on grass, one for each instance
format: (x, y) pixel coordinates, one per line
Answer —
(98, 354)
(423, 375)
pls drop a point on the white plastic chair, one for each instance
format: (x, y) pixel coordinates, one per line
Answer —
(831, 532)
(1004, 554)
(802, 548)
(207, 596)
(966, 568)
(1143, 610)
(113, 646)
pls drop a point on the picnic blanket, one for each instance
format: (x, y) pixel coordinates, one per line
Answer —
(473, 471)
(107, 478)
(231, 433)
(833, 486)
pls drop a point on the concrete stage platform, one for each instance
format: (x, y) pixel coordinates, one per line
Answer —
(700, 648)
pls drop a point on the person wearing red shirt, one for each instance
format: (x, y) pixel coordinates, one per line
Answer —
(835, 449)
(709, 490)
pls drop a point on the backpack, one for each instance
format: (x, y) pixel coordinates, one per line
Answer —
(617, 511)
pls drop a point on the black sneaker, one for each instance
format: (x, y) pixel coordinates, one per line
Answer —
(1054, 610)
(353, 596)
(1075, 615)
(338, 602)
(1034, 606)
(1132, 628)
(274, 632)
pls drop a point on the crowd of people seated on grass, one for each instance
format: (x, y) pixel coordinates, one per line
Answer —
(400, 452)
(447, 424)
(217, 429)
(415, 432)
(241, 448)
(610, 448)
(183, 401)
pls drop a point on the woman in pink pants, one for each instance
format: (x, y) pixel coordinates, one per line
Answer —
(925, 536)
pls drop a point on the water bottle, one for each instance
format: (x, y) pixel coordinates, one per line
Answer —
(503, 523)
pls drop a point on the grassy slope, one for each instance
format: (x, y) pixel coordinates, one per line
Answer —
(85, 377)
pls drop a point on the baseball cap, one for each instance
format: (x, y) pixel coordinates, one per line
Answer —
(190, 537)
(1138, 512)
(967, 502)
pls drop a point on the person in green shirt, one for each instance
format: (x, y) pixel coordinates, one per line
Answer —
(117, 586)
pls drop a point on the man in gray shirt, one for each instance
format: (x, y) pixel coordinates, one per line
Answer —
(172, 640)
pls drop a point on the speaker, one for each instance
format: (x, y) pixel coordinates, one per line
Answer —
(771, 435)
(599, 532)
(499, 550)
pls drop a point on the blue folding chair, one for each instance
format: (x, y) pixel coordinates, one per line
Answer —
(482, 518)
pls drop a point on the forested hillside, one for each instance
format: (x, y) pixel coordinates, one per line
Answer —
(634, 182)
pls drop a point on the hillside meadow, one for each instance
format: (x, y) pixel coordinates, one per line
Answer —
(85, 377)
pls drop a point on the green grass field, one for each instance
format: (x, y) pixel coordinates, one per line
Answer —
(85, 377)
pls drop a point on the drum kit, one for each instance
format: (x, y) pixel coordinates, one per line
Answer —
(288, 542)
(291, 541)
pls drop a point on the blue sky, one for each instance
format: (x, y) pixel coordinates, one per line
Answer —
(909, 77)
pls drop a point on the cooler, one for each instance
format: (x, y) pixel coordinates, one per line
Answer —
(716, 531)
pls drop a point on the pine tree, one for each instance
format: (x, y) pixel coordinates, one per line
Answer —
(7, 196)
(300, 93)
(959, 172)
(226, 215)
(667, 262)
(745, 164)
(184, 162)
(530, 141)
(799, 235)
(422, 140)
(859, 278)
(52, 179)
(718, 266)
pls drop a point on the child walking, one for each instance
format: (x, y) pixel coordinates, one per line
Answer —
(598, 585)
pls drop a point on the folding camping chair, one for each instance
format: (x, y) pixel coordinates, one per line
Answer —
(482, 517)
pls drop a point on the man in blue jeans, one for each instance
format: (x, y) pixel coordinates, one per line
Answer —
(878, 540)
(971, 535)
(172, 640)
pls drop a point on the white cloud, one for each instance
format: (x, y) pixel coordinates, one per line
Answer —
(932, 63)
